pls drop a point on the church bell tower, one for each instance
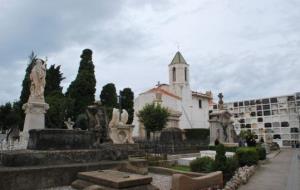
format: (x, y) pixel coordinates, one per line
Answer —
(179, 78)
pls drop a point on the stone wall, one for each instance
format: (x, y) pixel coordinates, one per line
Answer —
(39, 177)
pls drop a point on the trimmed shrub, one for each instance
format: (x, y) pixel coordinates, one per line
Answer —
(262, 153)
(247, 156)
(204, 164)
(220, 158)
(232, 165)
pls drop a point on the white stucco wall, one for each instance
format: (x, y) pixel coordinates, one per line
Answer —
(148, 98)
(200, 116)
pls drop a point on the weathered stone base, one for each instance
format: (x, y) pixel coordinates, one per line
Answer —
(113, 180)
(39, 177)
(56, 157)
(60, 139)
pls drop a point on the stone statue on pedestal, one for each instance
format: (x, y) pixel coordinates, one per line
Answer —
(36, 107)
(38, 80)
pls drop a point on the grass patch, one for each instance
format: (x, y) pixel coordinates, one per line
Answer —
(181, 168)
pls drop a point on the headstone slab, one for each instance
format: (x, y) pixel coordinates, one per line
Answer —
(115, 179)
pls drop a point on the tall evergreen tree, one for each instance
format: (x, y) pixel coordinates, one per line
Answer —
(5, 110)
(53, 80)
(82, 89)
(55, 116)
(109, 98)
(127, 102)
(8, 116)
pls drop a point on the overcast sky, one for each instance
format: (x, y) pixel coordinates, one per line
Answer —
(243, 48)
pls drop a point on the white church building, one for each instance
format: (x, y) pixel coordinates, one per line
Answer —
(189, 109)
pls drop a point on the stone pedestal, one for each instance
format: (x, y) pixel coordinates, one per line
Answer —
(35, 117)
(221, 128)
(121, 134)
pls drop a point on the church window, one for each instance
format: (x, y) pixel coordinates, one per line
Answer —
(185, 74)
(174, 74)
(200, 104)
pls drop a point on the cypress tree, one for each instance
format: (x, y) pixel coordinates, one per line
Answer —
(55, 116)
(109, 98)
(53, 80)
(108, 95)
(82, 90)
(127, 102)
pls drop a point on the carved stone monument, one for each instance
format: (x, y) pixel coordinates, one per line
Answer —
(36, 106)
(221, 126)
(98, 122)
(119, 131)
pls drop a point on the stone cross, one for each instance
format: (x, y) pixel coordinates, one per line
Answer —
(221, 101)
(69, 123)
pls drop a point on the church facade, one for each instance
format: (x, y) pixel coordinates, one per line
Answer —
(189, 109)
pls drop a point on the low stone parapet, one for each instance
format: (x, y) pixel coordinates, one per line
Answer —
(210, 181)
(58, 157)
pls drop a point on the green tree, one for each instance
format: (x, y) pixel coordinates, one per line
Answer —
(109, 98)
(53, 80)
(8, 116)
(154, 117)
(249, 137)
(108, 95)
(4, 112)
(128, 102)
(82, 89)
(55, 116)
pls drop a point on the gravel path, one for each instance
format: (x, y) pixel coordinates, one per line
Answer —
(163, 182)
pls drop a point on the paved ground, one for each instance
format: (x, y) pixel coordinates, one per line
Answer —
(282, 173)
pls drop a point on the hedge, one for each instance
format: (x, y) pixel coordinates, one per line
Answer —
(247, 156)
(204, 164)
(262, 153)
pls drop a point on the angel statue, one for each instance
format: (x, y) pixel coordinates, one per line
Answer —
(124, 117)
(38, 79)
(116, 119)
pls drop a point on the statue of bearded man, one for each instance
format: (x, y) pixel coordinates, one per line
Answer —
(38, 79)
